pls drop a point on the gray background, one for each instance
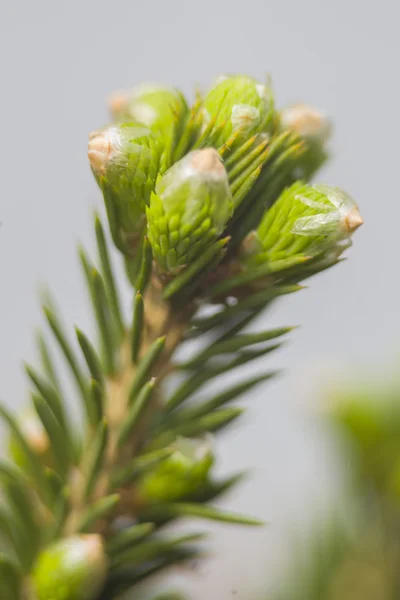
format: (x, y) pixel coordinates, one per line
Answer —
(59, 61)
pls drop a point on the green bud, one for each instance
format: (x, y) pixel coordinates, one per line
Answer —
(308, 122)
(74, 568)
(314, 128)
(125, 161)
(180, 474)
(161, 109)
(304, 221)
(189, 209)
(238, 104)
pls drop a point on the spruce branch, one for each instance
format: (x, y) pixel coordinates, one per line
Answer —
(212, 225)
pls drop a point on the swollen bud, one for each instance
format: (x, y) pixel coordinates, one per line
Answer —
(238, 104)
(125, 161)
(189, 209)
(304, 221)
(307, 121)
(180, 474)
(74, 568)
(314, 127)
(161, 109)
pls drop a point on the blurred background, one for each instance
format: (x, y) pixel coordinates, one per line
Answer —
(59, 62)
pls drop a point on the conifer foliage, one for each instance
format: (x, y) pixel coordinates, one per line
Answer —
(212, 212)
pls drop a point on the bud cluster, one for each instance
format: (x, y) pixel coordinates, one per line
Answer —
(186, 205)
